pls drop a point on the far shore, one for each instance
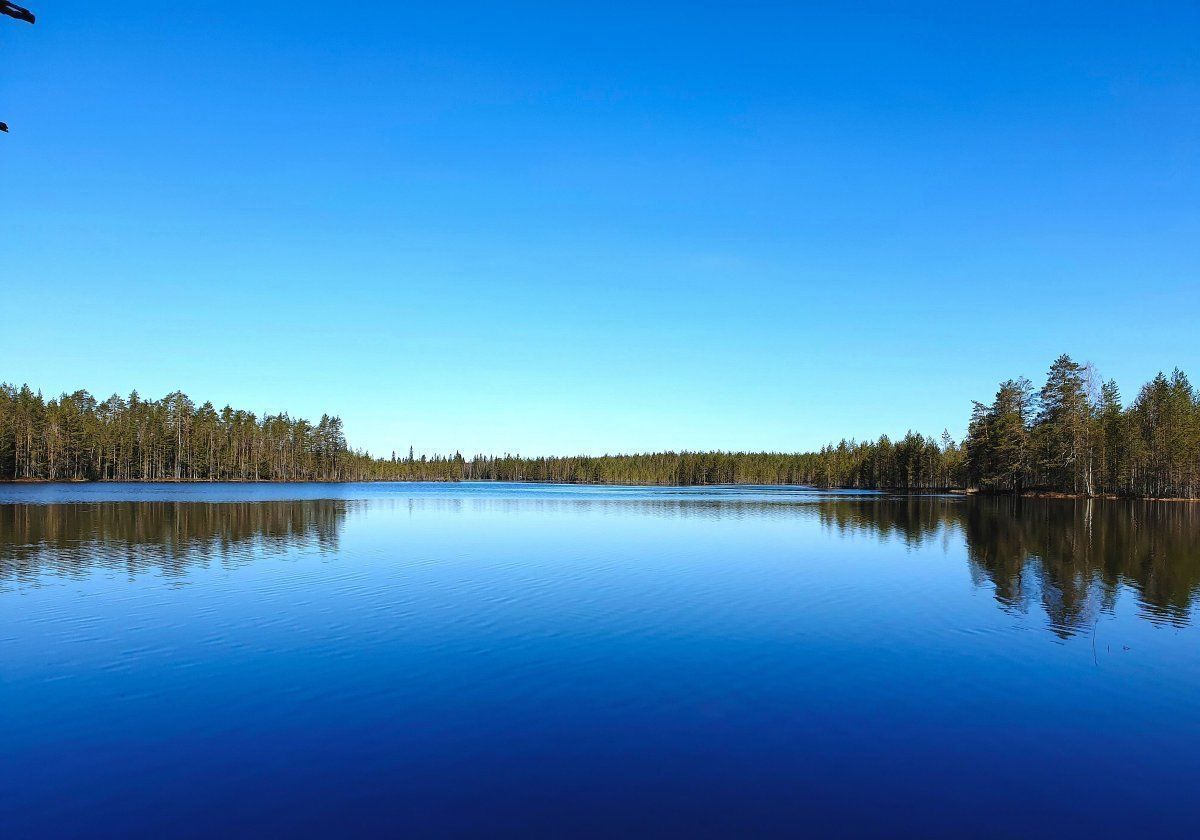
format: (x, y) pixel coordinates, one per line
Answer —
(952, 491)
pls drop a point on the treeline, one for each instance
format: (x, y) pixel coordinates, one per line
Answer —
(76, 437)
(1073, 436)
(912, 463)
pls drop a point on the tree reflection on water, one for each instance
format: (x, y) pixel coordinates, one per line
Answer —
(1068, 558)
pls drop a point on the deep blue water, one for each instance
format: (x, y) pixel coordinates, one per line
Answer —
(523, 660)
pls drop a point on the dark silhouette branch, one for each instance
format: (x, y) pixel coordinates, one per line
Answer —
(15, 11)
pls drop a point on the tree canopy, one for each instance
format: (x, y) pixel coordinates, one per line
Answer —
(1073, 435)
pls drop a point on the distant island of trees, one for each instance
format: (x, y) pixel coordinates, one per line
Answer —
(1072, 436)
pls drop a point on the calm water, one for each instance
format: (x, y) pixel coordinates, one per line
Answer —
(441, 660)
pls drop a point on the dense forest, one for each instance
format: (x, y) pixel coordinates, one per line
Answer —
(1073, 435)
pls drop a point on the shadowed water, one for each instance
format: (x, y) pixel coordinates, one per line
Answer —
(484, 659)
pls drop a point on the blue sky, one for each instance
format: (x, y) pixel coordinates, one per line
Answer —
(546, 228)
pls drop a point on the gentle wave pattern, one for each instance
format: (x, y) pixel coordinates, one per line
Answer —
(490, 660)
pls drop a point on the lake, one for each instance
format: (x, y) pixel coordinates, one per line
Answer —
(528, 660)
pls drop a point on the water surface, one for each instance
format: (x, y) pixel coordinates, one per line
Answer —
(520, 660)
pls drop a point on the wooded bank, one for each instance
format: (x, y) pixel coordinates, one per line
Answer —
(1073, 435)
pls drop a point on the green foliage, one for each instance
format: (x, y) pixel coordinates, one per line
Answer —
(1082, 441)
(75, 437)
(998, 438)
(1067, 437)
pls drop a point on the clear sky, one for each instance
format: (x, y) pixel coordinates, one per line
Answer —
(598, 227)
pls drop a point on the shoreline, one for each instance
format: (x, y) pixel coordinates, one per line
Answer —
(922, 491)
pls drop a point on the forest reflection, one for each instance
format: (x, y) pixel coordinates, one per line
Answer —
(170, 537)
(1066, 558)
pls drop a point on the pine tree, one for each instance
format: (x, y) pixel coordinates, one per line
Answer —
(1061, 431)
